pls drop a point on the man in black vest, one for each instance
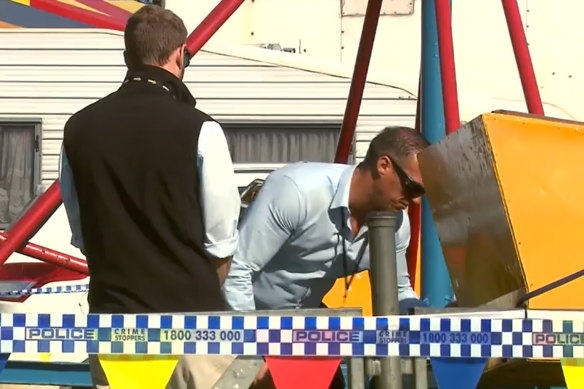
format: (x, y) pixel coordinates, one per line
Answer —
(149, 190)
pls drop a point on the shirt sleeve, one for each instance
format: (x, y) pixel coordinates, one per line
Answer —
(402, 241)
(220, 199)
(70, 200)
(270, 220)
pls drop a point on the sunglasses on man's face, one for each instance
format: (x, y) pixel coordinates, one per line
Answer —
(412, 189)
(186, 59)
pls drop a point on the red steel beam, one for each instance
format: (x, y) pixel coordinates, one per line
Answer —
(78, 14)
(211, 24)
(415, 210)
(47, 203)
(358, 81)
(35, 217)
(447, 68)
(522, 57)
(51, 256)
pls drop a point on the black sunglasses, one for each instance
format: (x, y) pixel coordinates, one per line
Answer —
(186, 59)
(412, 189)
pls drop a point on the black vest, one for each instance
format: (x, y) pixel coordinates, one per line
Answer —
(134, 160)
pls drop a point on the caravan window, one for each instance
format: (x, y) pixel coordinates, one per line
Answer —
(18, 172)
(282, 142)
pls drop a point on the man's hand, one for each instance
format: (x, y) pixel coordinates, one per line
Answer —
(222, 267)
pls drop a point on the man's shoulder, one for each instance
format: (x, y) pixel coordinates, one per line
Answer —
(316, 181)
(88, 112)
(202, 116)
(311, 173)
(189, 117)
(402, 229)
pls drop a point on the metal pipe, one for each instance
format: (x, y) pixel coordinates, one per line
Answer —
(80, 15)
(382, 227)
(356, 367)
(51, 256)
(522, 57)
(414, 211)
(447, 67)
(28, 223)
(436, 286)
(415, 216)
(358, 81)
(211, 24)
(420, 373)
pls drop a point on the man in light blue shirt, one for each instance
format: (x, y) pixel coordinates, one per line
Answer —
(307, 226)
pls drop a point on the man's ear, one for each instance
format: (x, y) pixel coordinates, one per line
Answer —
(180, 56)
(383, 165)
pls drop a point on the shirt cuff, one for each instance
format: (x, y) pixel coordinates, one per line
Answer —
(224, 248)
(406, 293)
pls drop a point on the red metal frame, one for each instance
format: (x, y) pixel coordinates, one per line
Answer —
(46, 204)
(49, 201)
(415, 210)
(34, 218)
(447, 68)
(522, 57)
(109, 21)
(51, 256)
(358, 81)
(36, 273)
(211, 24)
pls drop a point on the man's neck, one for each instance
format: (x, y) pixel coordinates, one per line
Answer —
(359, 205)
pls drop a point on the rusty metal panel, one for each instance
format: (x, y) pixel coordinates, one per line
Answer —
(469, 212)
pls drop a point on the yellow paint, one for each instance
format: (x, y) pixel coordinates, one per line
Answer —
(24, 2)
(418, 276)
(45, 357)
(138, 371)
(77, 4)
(573, 372)
(358, 296)
(7, 25)
(539, 166)
(130, 6)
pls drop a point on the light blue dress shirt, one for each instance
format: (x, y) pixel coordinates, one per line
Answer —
(220, 199)
(291, 240)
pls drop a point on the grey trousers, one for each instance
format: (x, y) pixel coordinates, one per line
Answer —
(191, 372)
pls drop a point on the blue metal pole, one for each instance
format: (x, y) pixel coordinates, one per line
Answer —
(436, 285)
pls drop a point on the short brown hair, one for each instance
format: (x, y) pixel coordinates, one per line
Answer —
(397, 142)
(151, 34)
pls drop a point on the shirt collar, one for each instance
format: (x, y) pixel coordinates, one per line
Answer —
(341, 196)
(166, 78)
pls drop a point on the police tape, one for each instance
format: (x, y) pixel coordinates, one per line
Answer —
(47, 290)
(404, 336)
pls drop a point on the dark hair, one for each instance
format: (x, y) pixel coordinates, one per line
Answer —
(151, 34)
(395, 141)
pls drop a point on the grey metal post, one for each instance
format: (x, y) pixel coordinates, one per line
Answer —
(356, 374)
(382, 226)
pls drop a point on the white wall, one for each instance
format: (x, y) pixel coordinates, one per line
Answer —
(485, 63)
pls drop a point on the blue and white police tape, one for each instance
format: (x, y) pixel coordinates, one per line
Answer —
(47, 290)
(408, 336)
